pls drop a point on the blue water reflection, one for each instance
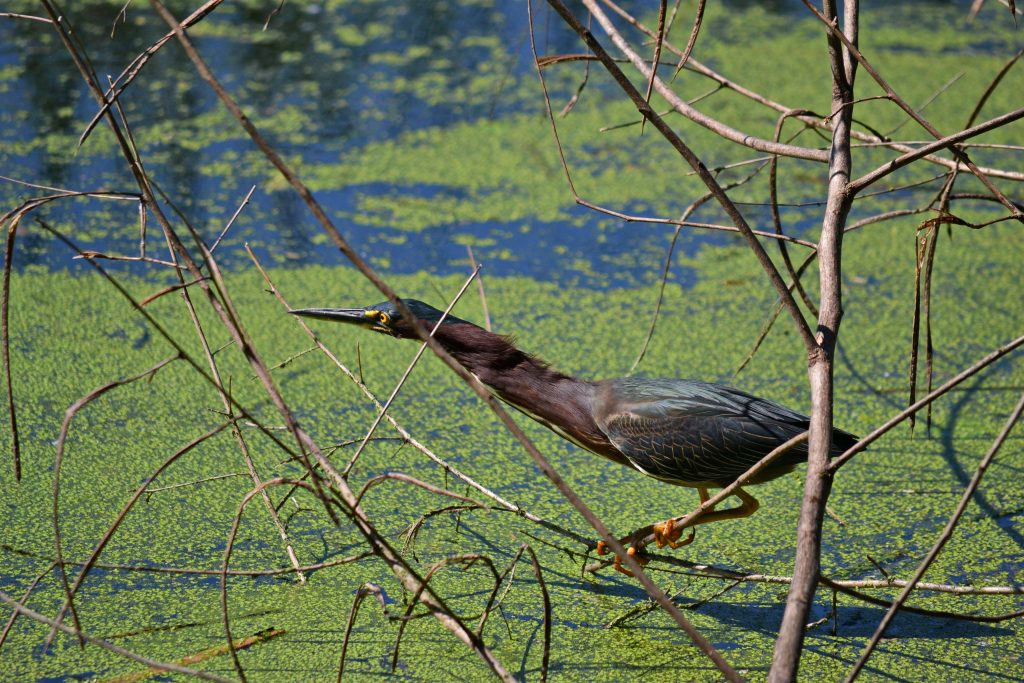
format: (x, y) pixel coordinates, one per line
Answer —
(326, 82)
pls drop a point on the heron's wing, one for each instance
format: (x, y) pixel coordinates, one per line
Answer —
(696, 432)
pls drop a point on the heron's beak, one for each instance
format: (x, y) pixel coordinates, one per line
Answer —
(353, 316)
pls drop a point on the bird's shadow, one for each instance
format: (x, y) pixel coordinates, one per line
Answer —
(852, 621)
(849, 621)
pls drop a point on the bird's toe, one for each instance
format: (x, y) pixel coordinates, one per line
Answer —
(632, 551)
(666, 534)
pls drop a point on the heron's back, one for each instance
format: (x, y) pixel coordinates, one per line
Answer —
(698, 433)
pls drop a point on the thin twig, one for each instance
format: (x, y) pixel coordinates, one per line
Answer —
(229, 547)
(27, 17)
(940, 542)
(112, 529)
(996, 80)
(698, 19)
(158, 569)
(166, 290)
(405, 375)
(65, 426)
(632, 218)
(773, 191)
(193, 483)
(231, 221)
(935, 95)
(546, 600)
(363, 591)
(687, 212)
(24, 599)
(116, 649)
(5, 341)
(843, 587)
(659, 41)
(772, 317)
(405, 478)
(468, 560)
(480, 286)
(957, 379)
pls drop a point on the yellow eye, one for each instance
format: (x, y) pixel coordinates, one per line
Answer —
(383, 318)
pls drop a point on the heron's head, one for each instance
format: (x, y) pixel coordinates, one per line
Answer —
(383, 317)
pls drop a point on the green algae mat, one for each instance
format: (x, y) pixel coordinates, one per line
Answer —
(887, 506)
(423, 141)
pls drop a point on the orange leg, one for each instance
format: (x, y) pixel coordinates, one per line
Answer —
(667, 534)
(663, 534)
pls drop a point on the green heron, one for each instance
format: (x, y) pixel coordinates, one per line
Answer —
(681, 431)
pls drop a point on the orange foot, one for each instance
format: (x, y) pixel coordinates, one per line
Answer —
(666, 534)
(641, 559)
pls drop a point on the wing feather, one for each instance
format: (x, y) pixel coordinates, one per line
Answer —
(696, 432)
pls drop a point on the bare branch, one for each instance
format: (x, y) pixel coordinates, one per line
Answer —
(943, 143)
(547, 612)
(692, 40)
(867, 440)
(815, 122)
(365, 590)
(818, 481)
(695, 163)
(946, 534)
(681, 106)
(69, 415)
(836, 34)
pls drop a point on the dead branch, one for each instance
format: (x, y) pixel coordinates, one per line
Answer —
(24, 600)
(814, 122)
(547, 612)
(405, 478)
(361, 594)
(229, 547)
(818, 481)
(853, 53)
(670, 135)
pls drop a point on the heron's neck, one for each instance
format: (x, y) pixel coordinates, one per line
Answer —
(560, 402)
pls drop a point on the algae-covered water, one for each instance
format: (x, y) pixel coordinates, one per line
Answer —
(420, 127)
